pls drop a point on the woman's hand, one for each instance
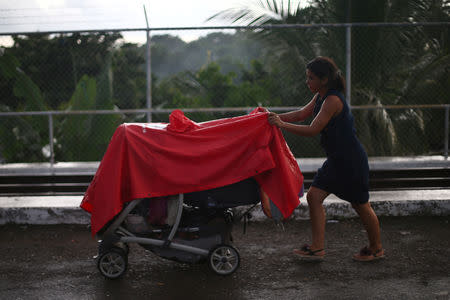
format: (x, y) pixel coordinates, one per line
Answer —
(274, 119)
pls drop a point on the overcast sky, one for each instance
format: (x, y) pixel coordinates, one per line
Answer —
(53, 15)
(50, 15)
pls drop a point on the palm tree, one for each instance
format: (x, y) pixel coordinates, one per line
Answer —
(384, 59)
(289, 48)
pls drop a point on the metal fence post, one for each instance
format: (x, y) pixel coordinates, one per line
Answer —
(348, 64)
(447, 108)
(148, 61)
(149, 78)
(50, 136)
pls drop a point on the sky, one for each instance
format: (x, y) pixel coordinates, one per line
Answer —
(53, 15)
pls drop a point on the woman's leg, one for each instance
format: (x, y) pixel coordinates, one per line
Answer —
(371, 224)
(315, 198)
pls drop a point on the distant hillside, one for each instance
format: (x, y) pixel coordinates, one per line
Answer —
(171, 55)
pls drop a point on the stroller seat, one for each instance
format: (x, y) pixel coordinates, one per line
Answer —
(245, 192)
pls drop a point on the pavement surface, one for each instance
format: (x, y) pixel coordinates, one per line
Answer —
(47, 250)
(56, 262)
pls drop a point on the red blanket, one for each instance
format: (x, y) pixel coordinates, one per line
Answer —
(154, 159)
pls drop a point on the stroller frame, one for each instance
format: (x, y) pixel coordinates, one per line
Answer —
(112, 258)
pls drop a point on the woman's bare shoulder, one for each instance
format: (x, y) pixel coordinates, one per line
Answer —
(333, 99)
(333, 103)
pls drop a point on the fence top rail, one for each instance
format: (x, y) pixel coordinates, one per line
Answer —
(209, 109)
(269, 26)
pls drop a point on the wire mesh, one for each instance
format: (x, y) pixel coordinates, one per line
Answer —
(390, 65)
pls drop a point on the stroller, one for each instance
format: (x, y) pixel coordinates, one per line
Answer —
(148, 162)
(191, 228)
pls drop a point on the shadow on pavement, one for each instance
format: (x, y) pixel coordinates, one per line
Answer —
(55, 261)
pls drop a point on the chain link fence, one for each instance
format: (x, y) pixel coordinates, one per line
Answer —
(62, 94)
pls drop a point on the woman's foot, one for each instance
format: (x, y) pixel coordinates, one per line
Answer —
(308, 254)
(366, 254)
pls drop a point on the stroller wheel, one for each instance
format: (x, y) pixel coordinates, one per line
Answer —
(113, 263)
(224, 260)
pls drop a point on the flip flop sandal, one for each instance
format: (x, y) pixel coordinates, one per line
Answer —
(365, 255)
(307, 254)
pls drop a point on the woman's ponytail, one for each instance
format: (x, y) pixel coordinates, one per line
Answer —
(339, 82)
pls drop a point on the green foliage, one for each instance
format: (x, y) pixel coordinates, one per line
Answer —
(56, 63)
(245, 69)
(388, 66)
(22, 138)
(210, 87)
(376, 126)
(86, 137)
(20, 141)
(77, 137)
(214, 85)
(23, 87)
(257, 88)
(129, 78)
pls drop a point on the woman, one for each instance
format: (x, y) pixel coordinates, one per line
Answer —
(345, 173)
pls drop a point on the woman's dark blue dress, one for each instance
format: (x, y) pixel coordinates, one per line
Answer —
(345, 173)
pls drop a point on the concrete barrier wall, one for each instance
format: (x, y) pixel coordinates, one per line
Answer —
(66, 210)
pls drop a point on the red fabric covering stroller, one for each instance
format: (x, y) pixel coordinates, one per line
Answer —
(198, 172)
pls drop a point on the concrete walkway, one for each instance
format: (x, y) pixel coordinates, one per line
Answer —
(65, 209)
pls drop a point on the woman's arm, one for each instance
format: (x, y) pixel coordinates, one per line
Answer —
(331, 107)
(301, 114)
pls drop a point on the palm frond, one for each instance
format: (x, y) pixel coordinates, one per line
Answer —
(260, 13)
(376, 127)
